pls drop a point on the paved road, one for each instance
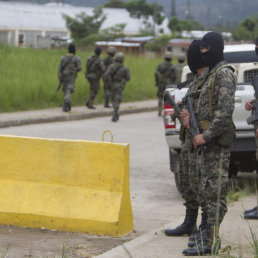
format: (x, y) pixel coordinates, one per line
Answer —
(155, 200)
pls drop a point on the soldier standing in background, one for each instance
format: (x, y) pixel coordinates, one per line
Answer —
(164, 75)
(253, 213)
(117, 75)
(179, 68)
(94, 70)
(69, 66)
(188, 180)
(214, 111)
(108, 60)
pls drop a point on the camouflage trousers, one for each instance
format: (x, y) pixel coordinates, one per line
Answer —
(187, 175)
(213, 181)
(106, 90)
(94, 88)
(117, 97)
(68, 89)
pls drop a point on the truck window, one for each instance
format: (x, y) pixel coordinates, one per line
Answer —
(249, 75)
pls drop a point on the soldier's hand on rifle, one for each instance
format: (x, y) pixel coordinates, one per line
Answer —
(185, 116)
(198, 140)
(249, 105)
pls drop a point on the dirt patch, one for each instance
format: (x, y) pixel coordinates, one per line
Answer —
(38, 243)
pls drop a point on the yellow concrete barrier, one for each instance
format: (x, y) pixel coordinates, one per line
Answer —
(76, 186)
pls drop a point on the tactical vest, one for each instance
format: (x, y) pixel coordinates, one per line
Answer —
(227, 138)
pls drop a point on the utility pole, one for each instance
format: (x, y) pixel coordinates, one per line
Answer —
(154, 17)
(173, 9)
(208, 17)
(189, 16)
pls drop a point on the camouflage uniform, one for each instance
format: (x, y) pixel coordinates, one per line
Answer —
(94, 69)
(117, 75)
(213, 171)
(164, 75)
(188, 176)
(69, 66)
(108, 60)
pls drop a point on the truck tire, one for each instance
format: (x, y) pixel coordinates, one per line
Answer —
(174, 165)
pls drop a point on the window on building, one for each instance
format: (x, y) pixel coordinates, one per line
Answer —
(21, 39)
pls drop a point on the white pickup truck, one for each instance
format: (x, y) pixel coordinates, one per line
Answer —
(243, 150)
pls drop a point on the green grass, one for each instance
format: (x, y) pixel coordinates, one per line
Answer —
(29, 79)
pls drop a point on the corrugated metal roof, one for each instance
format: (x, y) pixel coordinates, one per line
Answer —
(28, 15)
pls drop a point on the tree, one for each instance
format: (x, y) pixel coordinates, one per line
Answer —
(115, 4)
(139, 8)
(176, 25)
(248, 29)
(83, 25)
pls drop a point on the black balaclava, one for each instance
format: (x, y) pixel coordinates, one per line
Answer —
(214, 55)
(98, 51)
(71, 49)
(256, 46)
(194, 58)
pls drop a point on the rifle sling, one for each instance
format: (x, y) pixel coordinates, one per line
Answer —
(116, 71)
(91, 65)
(63, 67)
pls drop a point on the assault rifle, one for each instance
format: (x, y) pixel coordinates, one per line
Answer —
(194, 123)
(172, 103)
(254, 117)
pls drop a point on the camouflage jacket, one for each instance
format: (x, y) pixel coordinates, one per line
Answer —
(221, 102)
(94, 67)
(69, 66)
(117, 75)
(108, 60)
(165, 74)
(195, 90)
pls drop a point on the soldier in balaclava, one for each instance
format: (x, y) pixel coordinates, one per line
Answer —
(214, 111)
(188, 178)
(94, 70)
(69, 66)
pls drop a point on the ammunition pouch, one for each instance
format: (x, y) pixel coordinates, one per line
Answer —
(226, 139)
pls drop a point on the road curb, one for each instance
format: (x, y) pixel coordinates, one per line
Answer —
(71, 116)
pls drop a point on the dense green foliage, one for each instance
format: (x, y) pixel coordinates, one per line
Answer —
(84, 25)
(176, 25)
(139, 9)
(248, 29)
(29, 79)
(115, 4)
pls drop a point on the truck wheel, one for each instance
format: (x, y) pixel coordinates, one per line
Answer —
(174, 165)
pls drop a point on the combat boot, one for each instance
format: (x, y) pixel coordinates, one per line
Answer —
(114, 117)
(89, 104)
(252, 215)
(200, 230)
(207, 244)
(106, 105)
(187, 227)
(66, 107)
(251, 210)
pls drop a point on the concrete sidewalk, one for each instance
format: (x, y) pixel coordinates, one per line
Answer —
(234, 232)
(56, 114)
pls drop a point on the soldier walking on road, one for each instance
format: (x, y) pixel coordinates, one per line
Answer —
(117, 75)
(69, 66)
(164, 75)
(94, 70)
(188, 178)
(108, 60)
(217, 133)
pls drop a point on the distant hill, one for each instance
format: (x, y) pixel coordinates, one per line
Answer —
(208, 12)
